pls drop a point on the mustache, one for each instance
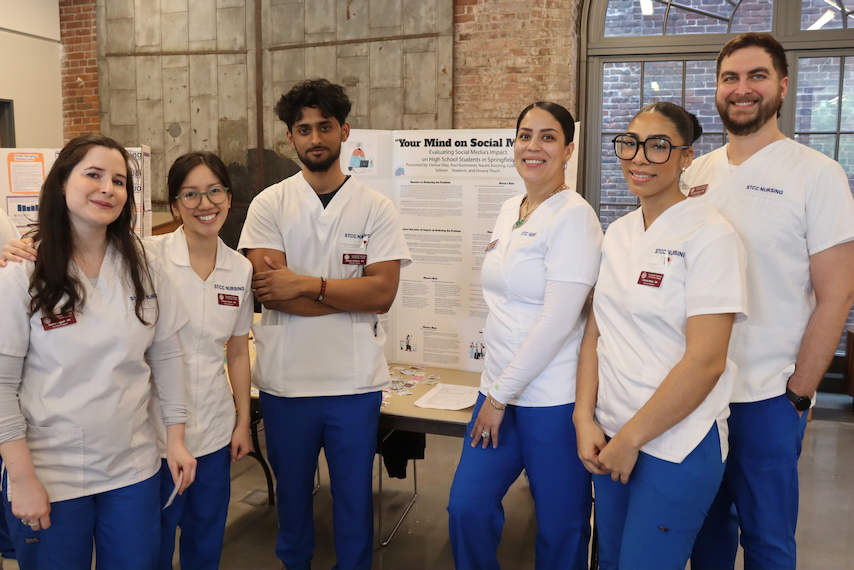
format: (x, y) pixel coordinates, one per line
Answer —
(314, 148)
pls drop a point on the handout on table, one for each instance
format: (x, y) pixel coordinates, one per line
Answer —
(449, 397)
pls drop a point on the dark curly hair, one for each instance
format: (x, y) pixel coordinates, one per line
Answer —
(329, 98)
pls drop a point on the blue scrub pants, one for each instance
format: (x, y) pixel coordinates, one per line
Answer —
(541, 441)
(761, 482)
(124, 523)
(200, 512)
(651, 522)
(346, 428)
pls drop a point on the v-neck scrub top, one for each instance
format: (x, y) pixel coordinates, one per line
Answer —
(688, 262)
(329, 355)
(86, 382)
(787, 202)
(218, 308)
(560, 242)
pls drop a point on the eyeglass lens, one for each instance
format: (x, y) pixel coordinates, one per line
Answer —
(216, 195)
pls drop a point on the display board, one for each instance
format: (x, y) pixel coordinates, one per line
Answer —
(22, 173)
(448, 187)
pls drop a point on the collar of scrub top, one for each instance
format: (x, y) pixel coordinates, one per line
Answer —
(325, 218)
(179, 253)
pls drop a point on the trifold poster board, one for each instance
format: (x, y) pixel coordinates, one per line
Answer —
(23, 170)
(448, 187)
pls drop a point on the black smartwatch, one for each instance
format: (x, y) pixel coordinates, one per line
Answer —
(802, 403)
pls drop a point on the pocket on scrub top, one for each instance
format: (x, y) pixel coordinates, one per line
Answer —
(352, 259)
(57, 454)
(369, 354)
(268, 365)
(766, 210)
(658, 287)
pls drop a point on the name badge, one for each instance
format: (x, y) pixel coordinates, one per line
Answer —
(228, 300)
(697, 190)
(491, 246)
(57, 321)
(650, 279)
(355, 259)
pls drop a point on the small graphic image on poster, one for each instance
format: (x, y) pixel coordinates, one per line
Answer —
(477, 350)
(360, 154)
(407, 344)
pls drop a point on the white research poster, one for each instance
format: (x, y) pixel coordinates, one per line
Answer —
(448, 186)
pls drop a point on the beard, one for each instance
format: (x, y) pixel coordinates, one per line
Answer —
(321, 164)
(766, 110)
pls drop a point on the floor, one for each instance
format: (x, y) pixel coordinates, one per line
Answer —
(825, 529)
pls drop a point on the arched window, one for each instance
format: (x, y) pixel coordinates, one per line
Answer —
(634, 52)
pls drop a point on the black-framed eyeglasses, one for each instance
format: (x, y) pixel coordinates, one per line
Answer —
(657, 150)
(192, 199)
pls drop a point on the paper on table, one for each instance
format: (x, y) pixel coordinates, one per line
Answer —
(175, 490)
(449, 397)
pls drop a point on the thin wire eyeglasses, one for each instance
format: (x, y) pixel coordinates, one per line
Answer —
(657, 150)
(193, 199)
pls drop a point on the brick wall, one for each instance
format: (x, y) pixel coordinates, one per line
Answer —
(508, 54)
(79, 68)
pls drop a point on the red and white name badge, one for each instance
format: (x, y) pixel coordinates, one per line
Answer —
(697, 190)
(491, 246)
(57, 321)
(228, 300)
(355, 259)
(650, 279)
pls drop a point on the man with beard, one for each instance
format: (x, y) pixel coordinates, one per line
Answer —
(327, 252)
(793, 209)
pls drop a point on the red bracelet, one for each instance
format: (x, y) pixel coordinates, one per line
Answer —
(322, 289)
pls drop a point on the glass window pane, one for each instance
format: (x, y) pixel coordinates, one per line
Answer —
(662, 81)
(706, 144)
(846, 157)
(615, 199)
(817, 100)
(609, 213)
(645, 17)
(620, 94)
(848, 95)
(825, 144)
(700, 94)
(825, 14)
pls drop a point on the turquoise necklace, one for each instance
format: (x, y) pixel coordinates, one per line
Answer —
(523, 219)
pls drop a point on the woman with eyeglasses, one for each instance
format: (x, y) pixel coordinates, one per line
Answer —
(654, 379)
(537, 276)
(214, 284)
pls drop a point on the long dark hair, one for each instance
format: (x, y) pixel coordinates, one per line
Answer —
(52, 278)
(186, 162)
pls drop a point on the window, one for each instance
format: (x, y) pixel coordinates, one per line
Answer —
(663, 17)
(7, 124)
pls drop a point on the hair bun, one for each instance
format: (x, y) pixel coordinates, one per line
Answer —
(698, 128)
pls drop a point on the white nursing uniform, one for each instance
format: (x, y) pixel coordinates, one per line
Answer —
(688, 262)
(561, 242)
(219, 307)
(787, 202)
(86, 383)
(330, 355)
(8, 230)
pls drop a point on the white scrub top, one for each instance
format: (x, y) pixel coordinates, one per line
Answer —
(561, 242)
(787, 202)
(688, 262)
(330, 355)
(8, 230)
(86, 383)
(219, 308)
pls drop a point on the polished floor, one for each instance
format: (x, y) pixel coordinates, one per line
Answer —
(825, 529)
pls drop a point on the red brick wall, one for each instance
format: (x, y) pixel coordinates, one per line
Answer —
(508, 54)
(79, 68)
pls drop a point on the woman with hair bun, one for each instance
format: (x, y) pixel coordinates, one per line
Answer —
(654, 380)
(537, 276)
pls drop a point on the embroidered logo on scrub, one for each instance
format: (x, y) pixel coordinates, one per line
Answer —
(57, 321)
(228, 300)
(697, 190)
(491, 246)
(355, 259)
(650, 279)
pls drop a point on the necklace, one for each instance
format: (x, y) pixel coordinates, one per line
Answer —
(523, 219)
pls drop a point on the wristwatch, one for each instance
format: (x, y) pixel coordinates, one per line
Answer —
(802, 403)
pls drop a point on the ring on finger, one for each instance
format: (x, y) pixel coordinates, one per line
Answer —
(484, 433)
